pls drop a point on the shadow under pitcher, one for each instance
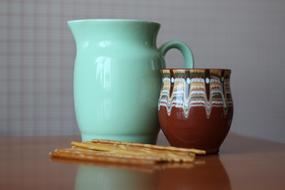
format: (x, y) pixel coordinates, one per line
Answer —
(117, 78)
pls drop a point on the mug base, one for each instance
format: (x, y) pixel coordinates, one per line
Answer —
(147, 139)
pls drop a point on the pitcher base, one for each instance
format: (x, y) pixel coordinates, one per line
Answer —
(147, 139)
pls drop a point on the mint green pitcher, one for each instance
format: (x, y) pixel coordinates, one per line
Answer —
(117, 78)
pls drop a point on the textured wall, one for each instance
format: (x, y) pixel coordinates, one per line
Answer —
(37, 52)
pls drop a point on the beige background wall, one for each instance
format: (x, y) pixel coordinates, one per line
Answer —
(37, 52)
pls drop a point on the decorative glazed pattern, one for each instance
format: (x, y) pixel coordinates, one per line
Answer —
(195, 87)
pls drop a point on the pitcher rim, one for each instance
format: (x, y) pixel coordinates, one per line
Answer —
(193, 69)
(113, 20)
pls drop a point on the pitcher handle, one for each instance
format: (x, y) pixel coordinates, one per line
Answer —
(181, 46)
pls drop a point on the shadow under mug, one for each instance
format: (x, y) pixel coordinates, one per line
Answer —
(195, 107)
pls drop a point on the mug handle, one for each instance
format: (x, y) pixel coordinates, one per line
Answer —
(182, 47)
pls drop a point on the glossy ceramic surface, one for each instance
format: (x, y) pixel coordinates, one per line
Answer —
(195, 107)
(117, 78)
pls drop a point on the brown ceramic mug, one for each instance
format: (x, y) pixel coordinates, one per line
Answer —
(195, 107)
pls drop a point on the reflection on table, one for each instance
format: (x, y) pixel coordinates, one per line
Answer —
(179, 176)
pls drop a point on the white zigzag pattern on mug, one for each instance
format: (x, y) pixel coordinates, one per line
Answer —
(189, 93)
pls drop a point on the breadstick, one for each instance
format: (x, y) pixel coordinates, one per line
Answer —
(126, 153)
(156, 147)
(119, 149)
(93, 156)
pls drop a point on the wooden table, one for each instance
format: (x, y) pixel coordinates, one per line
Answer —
(244, 163)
